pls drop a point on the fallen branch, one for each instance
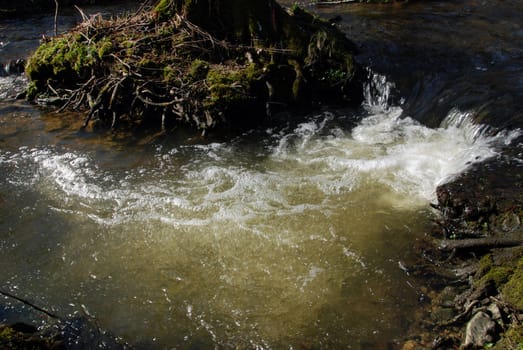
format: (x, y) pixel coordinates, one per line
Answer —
(12, 296)
(339, 2)
(478, 243)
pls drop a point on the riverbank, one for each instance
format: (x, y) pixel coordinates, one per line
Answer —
(476, 300)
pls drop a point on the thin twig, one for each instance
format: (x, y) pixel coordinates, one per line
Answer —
(7, 294)
(323, 3)
(56, 18)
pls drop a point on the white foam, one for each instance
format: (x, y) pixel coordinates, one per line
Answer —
(211, 224)
(305, 167)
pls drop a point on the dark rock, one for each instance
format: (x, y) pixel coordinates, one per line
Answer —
(442, 314)
(495, 312)
(13, 67)
(480, 330)
(510, 223)
(23, 328)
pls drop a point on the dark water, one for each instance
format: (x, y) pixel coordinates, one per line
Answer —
(18, 38)
(467, 54)
(293, 236)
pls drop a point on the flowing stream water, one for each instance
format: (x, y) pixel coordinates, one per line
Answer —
(294, 235)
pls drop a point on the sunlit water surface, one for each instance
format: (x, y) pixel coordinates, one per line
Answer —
(293, 236)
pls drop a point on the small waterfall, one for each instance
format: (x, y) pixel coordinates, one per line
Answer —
(377, 91)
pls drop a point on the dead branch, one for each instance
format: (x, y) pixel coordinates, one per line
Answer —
(478, 243)
(28, 303)
(339, 2)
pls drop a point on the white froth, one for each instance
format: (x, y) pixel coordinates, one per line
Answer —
(257, 242)
(304, 168)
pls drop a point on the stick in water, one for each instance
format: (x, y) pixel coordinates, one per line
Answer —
(56, 18)
(30, 304)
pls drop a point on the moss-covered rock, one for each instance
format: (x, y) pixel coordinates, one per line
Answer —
(200, 63)
(491, 273)
(512, 290)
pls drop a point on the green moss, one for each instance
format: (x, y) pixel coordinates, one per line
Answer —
(79, 56)
(105, 47)
(232, 88)
(485, 264)
(66, 58)
(6, 334)
(148, 63)
(224, 87)
(499, 275)
(32, 90)
(128, 44)
(512, 339)
(489, 273)
(512, 291)
(164, 9)
(199, 69)
(251, 73)
(294, 8)
(169, 73)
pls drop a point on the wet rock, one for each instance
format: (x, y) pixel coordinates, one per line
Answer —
(510, 223)
(12, 86)
(441, 314)
(447, 297)
(480, 330)
(13, 67)
(495, 312)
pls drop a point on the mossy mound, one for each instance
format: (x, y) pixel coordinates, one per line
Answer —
(198, 63)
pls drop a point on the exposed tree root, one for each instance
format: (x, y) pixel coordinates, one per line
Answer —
(167, 71)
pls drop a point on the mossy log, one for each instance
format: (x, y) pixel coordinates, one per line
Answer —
(196, 62)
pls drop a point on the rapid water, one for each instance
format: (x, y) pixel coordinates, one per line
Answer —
(288, 236)
(292, 236)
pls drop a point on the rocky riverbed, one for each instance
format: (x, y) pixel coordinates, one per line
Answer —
(476, 258)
